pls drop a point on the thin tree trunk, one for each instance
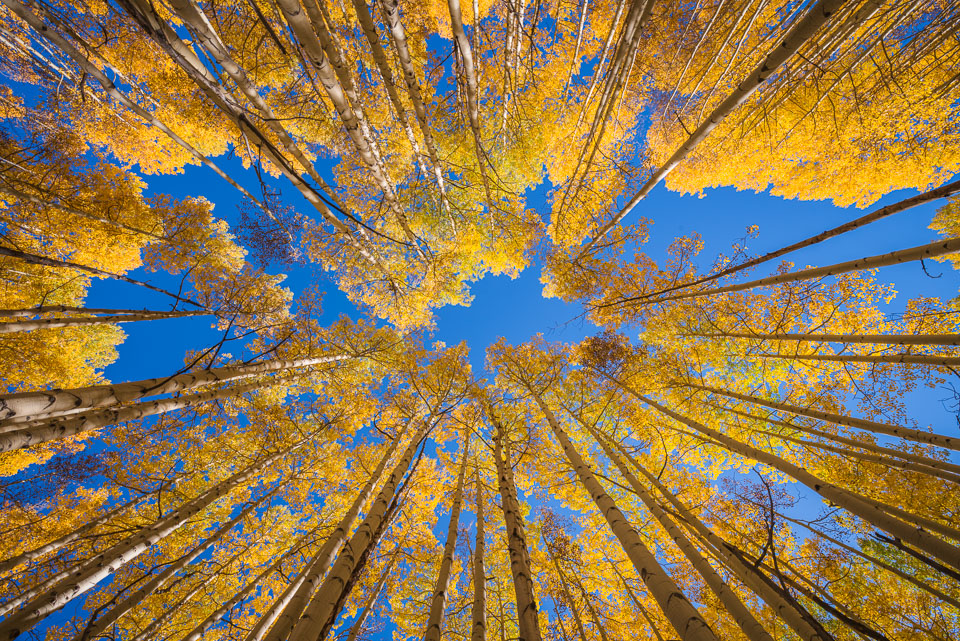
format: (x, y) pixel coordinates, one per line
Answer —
(28, 406)
(566, 589)
(322, 607)
(932, 360)
(45, 261)
(594, 615)
(67, 538)
(943, 191)
(357, 626)
(435, 617)
(847, 339)
(198, 632)
(636, 602)
(111, 90)
(931, 250)
(65, 309)
(799, 34)
(575, 60)
(681, 614)
(934, 467)
(99, 625)
(54, 323)
(838, 419)
(478, 616)
(797, 618)
(527, 620)
(871, 511)
(473, 107)
(288, 607)
(879, 563)
(52, 429)
(752, 628)
(391, 12)
(16, 193)
(869, 458)
(88, 574)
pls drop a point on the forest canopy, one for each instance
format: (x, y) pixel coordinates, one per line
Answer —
(741, 445)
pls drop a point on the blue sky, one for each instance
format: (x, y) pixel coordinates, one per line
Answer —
(515, 308)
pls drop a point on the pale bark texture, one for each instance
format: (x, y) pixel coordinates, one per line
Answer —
(76, 321)
(321, 609)
(288, 607)
(45, 430)
(685, 619)
(931, 250)
(838, 419)
(529, 623)
(871, 511)
(99, 625)
(26, 406)
(478, 615)
(944, 191)
(88, 574)
(752, 628)
(848, 339)
(816, 17)
(439, 600)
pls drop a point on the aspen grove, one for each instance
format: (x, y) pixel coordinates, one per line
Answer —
(737, 446)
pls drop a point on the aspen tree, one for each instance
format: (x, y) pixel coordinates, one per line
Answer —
(29, 406)
(871, 511)
(320, 611)
(53, 323)
(278, 622)
(684, 618)
(802, 31)
(516, 536)
(435, 618)
(752, 628)
(478, 616)
(86, 575)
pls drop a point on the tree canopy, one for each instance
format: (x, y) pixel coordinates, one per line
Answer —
(732, 452)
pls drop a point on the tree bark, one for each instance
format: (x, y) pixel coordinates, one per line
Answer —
(89, 573)
(473, 108)
(435, 618)
(357, 626)
(752, 628)
(54, 323)
(44, 430)
(944, 191)
(45, 261)
(931, 250)
(685, 619)
(528, 622)
(799, 34)
(286, 610)
(322, 607)
(28, 406)
(838, 419)
(932, 360)
(847, 339)
(99, 625)
(869, 510)
(478, 615)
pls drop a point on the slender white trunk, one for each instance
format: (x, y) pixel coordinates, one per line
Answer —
(288, 607)
(25, 406)
(681, 614)
(322, 607)
(439, 600)
(88, 574)
(528, 621)
(55, 323)
(478, 616)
